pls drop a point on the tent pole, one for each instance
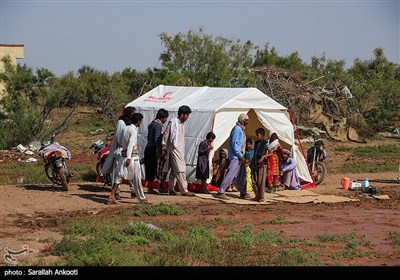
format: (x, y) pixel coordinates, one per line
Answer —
(301, 146)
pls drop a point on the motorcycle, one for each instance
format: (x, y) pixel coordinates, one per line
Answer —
(54, 156)
(316, 156)
(102, 149)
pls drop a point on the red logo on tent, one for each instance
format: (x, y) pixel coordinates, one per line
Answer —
(162, 99)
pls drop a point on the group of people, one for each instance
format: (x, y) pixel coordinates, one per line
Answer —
(164, 152)
(266, 167)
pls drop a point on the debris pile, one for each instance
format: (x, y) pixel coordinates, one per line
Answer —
(325, 107)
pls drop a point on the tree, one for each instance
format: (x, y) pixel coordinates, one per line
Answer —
(202, 60)
(29, 104)
(376, 87)
(266, 57)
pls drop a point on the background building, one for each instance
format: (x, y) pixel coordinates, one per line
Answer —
(15, 51)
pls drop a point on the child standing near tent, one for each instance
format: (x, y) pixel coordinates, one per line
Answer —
(249, 184)
(273, 162)
(259, 170)
(221, 167)
(249, 150)
(203, 162)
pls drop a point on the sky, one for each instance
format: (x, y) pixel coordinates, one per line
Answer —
(63, 36)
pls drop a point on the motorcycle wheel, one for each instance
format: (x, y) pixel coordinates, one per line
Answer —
(60, 176)
(67, 173)
(106, 178)
(319, 172)
(53, 176)
(63, 178)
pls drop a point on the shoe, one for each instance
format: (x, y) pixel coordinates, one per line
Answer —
(118, 197)
(189, 194)
(133, 195)
(172, 192)
(205, 191)
(222, 196)
(246, 196)
(163, 191)
(151, 191)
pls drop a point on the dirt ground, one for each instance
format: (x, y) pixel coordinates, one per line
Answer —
(32, 214)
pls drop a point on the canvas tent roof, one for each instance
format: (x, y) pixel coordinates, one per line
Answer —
(217, 109)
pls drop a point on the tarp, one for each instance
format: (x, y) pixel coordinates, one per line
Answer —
(217, 109)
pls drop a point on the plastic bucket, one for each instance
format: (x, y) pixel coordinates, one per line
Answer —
(345, 182)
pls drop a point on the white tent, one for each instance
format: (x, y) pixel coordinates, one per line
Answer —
(217, 109)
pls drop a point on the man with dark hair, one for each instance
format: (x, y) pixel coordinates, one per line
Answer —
(115, 150)
(127, 164)
(153, 147)
(173, 148)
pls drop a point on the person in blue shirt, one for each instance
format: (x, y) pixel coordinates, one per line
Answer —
(236, 150)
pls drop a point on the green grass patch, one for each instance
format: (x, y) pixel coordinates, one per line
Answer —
(225, 221)
(394, 238)
(343, 149)
(242, 236)
(326, 237)
(269, 237)
(369, 168)
(294, 257)
(246, 237)
(148, 231)
(96, 251)
(175, 224)
(306, 242)
(198, 246)
(350, 253)
(371, 159)
(153, 210)
(29, 173)
(352, 239)
(33, 173)
(388, 152)
(91, 124)
(84, 173)
(95, 226)
(116, 241)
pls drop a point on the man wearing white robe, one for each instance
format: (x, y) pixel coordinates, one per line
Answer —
(173, 145)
